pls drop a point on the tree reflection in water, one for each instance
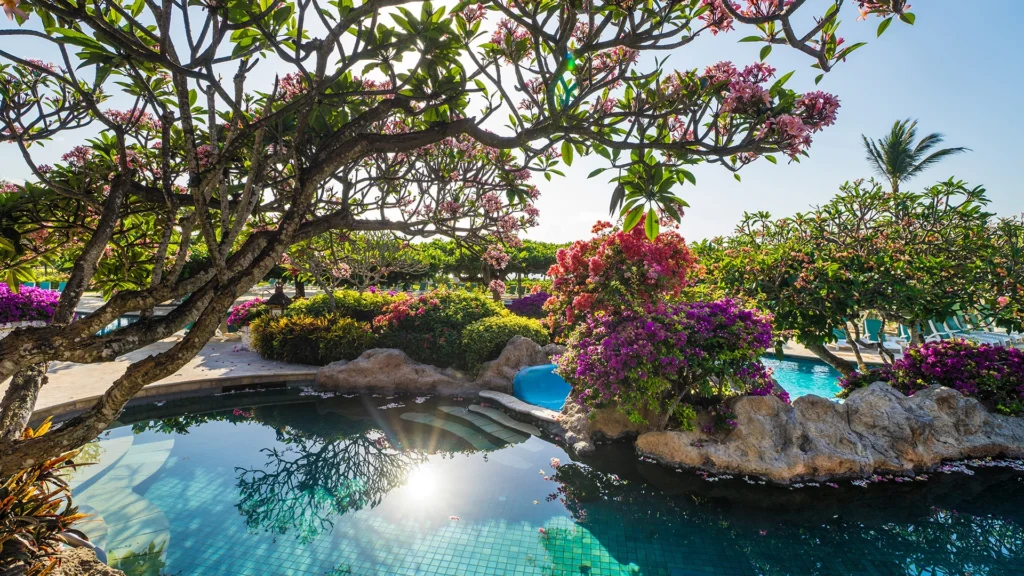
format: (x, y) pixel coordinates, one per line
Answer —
(304, 485)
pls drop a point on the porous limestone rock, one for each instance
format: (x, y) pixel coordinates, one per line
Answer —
(519, 353)
(390, 371)
(877, 430)
(583, 426)
(83, 562)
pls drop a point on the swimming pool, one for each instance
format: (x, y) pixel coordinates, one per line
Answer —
(282, 483)
(801, 377)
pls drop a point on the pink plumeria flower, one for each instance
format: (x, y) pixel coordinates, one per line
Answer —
(11, 9)
(1003, 300)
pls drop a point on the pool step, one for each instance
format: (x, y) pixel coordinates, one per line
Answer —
(476, 439)
(133, 527)
(513, 403)
(485, 424)
(505, 420)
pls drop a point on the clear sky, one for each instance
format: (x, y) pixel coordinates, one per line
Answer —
(957, 70)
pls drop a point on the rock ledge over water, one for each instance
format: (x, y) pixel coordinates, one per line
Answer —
(877, 430)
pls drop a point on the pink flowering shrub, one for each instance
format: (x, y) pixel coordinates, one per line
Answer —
(992, 374)
(30, 304)
(429, 327)
(243, 314)
(615, 269)
(664, 358)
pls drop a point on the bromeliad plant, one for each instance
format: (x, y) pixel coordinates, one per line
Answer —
(665, 358)
(35, 508)
(992, 374)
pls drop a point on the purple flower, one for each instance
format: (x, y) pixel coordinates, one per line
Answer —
(30, 304)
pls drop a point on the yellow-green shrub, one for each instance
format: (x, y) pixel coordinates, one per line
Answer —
(484, 339)
(310, 340)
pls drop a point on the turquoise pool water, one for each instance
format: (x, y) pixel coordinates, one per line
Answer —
(801, 377)
(281, 483)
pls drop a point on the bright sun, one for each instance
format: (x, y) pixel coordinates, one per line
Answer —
(421, 483)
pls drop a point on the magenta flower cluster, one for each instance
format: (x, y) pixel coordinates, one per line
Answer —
(992, 374)
(640, 358)
(531, 305)
(246, 312)
(30, 304)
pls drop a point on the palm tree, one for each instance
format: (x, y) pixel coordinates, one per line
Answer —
(897, 158)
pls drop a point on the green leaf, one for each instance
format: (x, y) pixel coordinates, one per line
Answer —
(909, 18)
(818, 78)
(883, 25)
(781, 82)
(771, 159)
(567, 152)
(632, 218)
(596, 172)
(752, 39)
(736, 175)
(651, 225)
(766, 51)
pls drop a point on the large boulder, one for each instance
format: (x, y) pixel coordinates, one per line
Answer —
(877, 430)
(390, 371)
(519, 353)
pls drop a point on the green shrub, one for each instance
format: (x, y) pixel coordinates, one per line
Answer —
(484, 339)
(310, 340)
(362, 306)
(429, 327)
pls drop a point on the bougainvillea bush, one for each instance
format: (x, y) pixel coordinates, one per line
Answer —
(992, 374)
(666, 357)
(614, 270)
(243, 314)
(531, 305)
(429, 327)
(30, 304)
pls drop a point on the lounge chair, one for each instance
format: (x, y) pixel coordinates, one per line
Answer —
(841, 340)
(62, 286)
(983, 328)
(960, 330)
(874, 336)
(44, 285)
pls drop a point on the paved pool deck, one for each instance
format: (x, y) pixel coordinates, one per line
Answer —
(221, 363)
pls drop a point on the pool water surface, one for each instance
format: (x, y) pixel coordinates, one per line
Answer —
(802, 377)
(283, 483)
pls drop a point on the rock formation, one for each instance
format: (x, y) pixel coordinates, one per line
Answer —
(877, 430)
(390, 371)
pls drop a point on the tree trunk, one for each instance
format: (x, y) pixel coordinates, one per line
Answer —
(855, 333)
(819, 350)
(300, 288)
(20, 400)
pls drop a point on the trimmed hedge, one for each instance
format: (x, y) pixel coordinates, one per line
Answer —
(362, 306)
(429, 327)
(311, 340)
(484, 339)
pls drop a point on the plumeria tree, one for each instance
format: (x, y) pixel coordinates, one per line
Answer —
(908, 257)
(250, 126)
(1006, 299)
